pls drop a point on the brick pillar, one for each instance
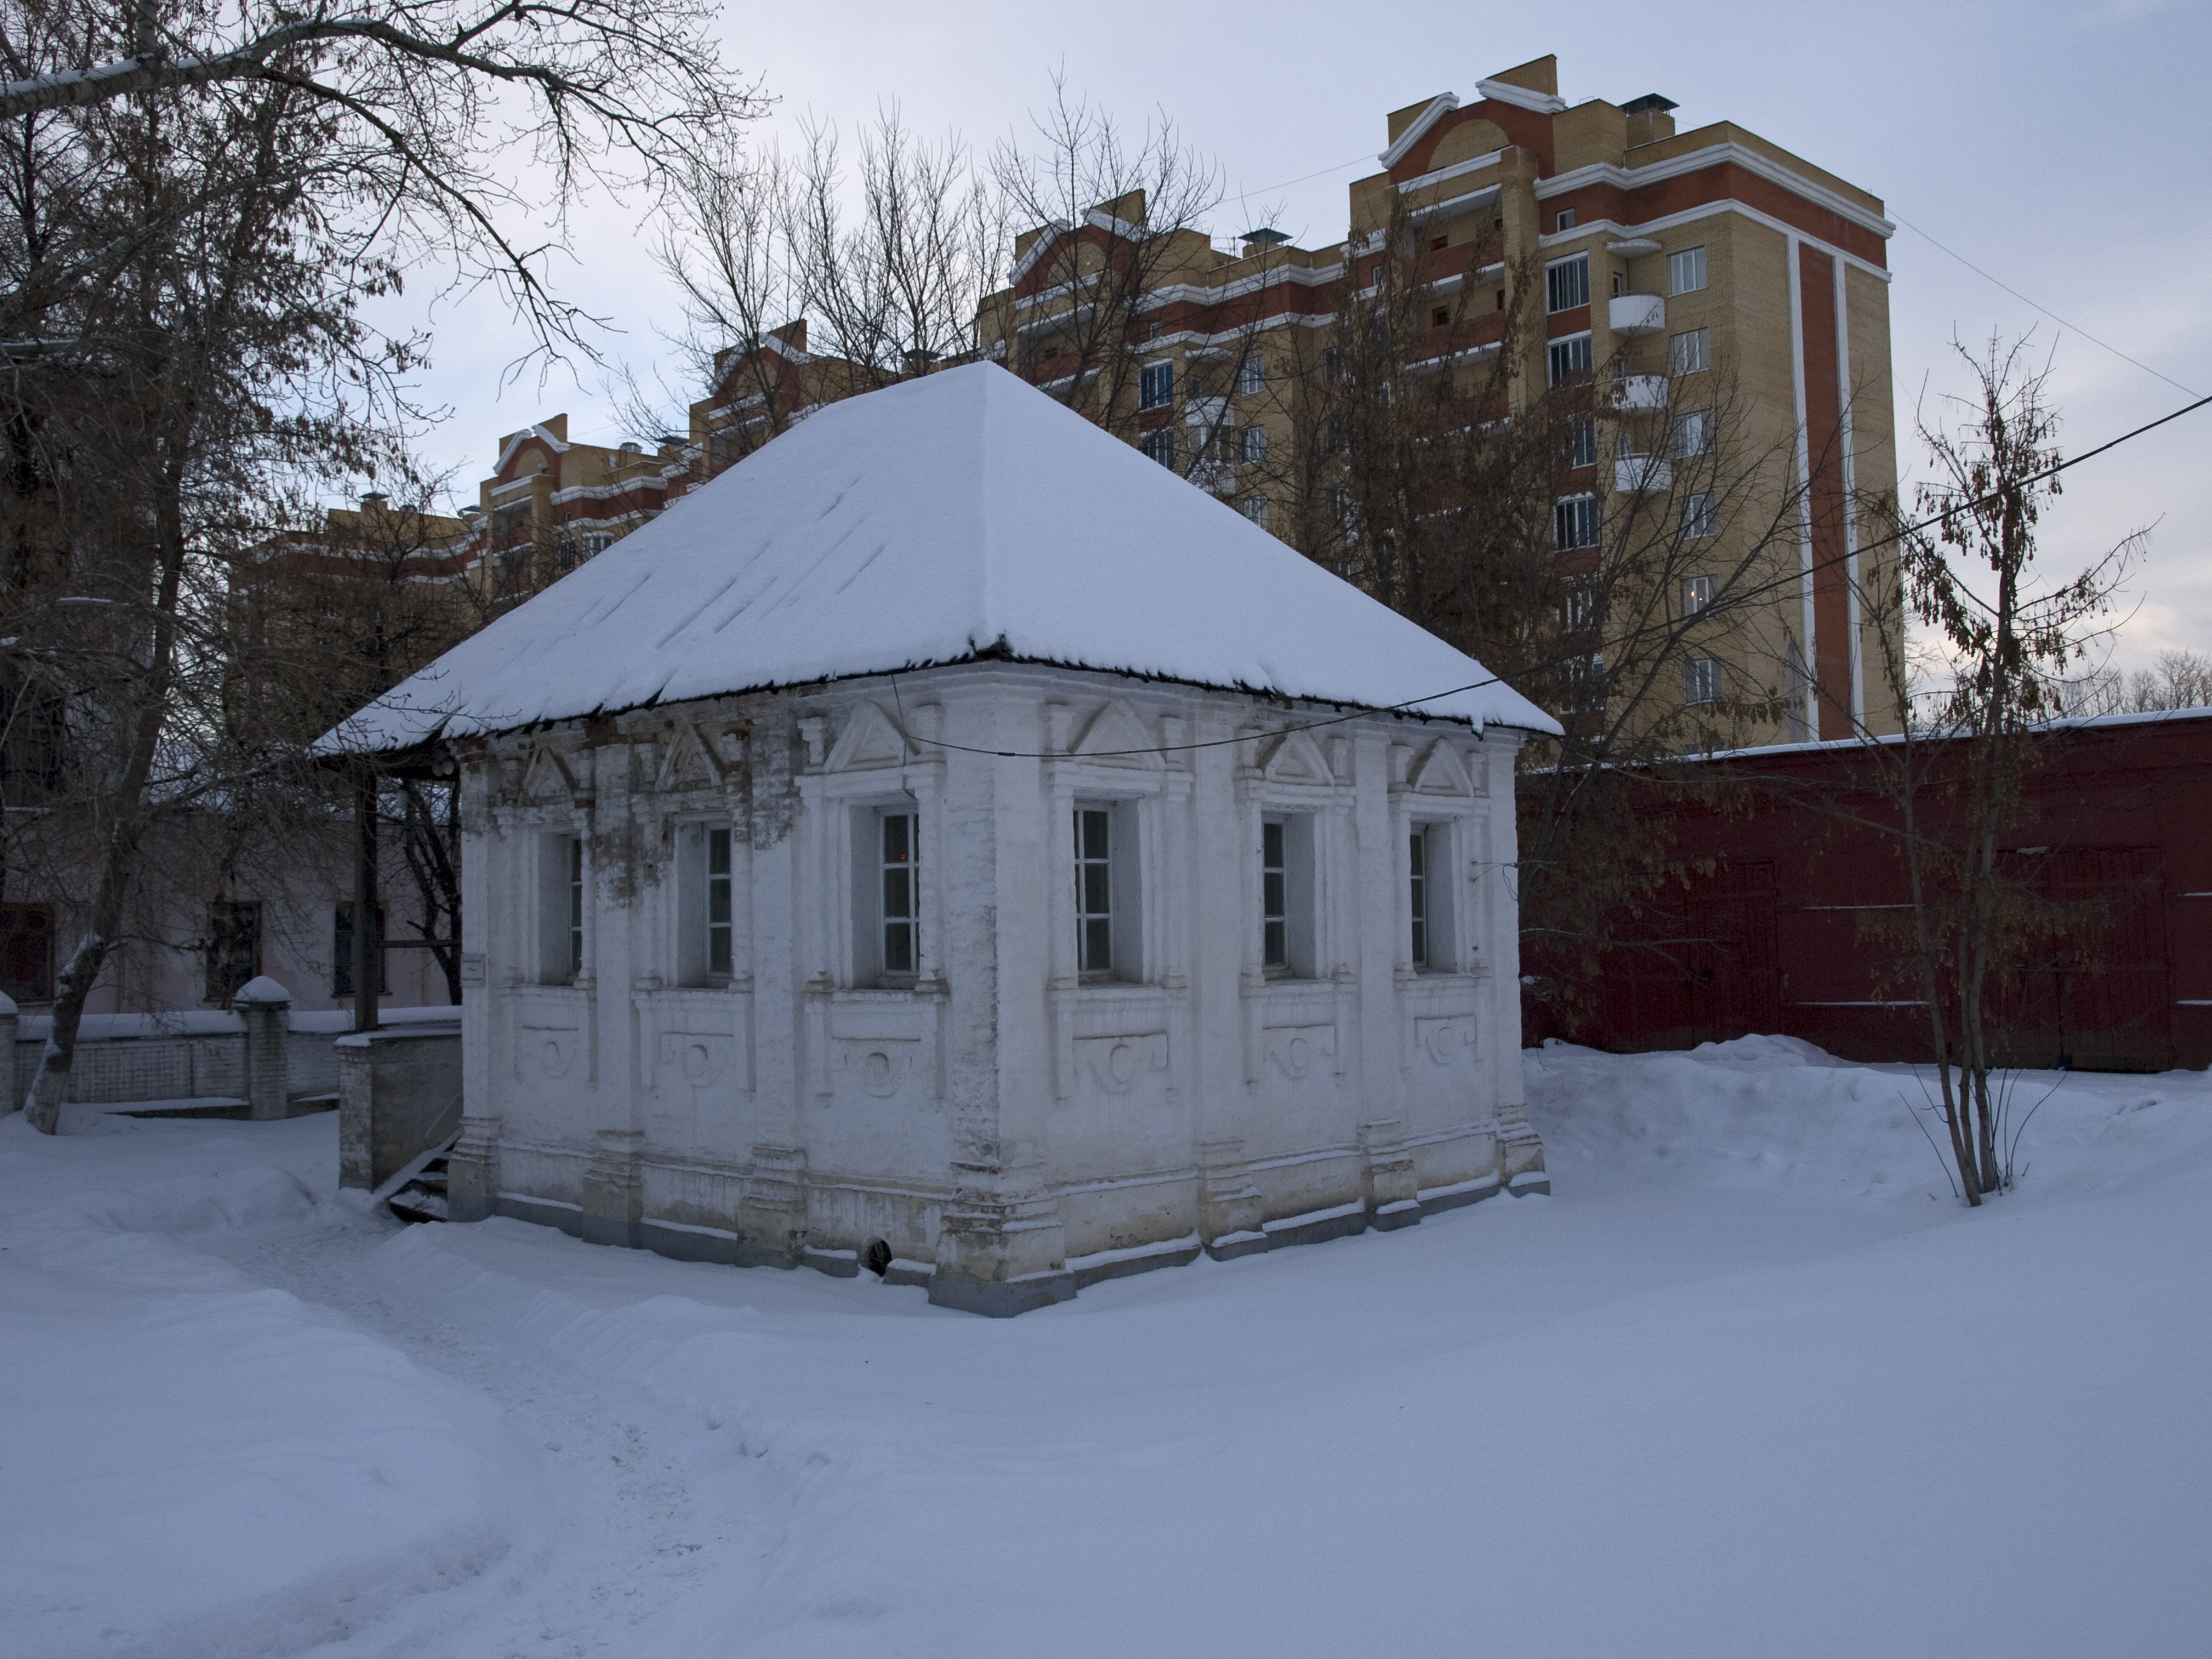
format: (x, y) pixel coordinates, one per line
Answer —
(266, 1007)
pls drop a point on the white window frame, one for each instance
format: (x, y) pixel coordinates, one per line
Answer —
(1562, 361)
(1159, 445)
(877, 960)
(1693, 433)
(1699, 517)
(1156, 385)
(1119, 925)
(1701, 681)
(1697, 595)
(1581, 442)
(1286, 894)
(697, 885)
(1563, 279)
(1685, 269)
(1254, 507)
(1431, 895)
(1576, 516)
(564, 884)
(1252, 445)
(1251, 375)
(1689, 352)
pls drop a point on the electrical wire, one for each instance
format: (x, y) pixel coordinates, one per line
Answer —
(2189, 390)
(1412, 705)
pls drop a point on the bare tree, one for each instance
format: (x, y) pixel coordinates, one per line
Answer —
(2003, 641)
(2179, 679)
(802, 284)
(183, 357)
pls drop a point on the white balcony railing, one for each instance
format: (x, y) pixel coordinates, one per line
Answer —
(1638, 474)
(1637, 313)
(1640, 392)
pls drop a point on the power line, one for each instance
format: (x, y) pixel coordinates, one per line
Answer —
(1412, 705)
(2191, 389)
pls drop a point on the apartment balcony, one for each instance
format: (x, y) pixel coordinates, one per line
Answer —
(1640, 392)
(1642, 475)
(1636, 314)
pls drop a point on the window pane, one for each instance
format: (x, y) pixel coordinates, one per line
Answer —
(1097, 946)
(1097, 892)
(1567, 284)
(718, 950)
(1093, 833)
(1276, 945)
(899, 947)
(898, 895)
(899, 838)
(718, 852)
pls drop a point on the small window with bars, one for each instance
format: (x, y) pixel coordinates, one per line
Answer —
(899, 867)
(1275, 896)
(1094, 891)
(719, 943)
(1417, 864)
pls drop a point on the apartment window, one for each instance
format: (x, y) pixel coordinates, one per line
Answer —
(1154, 333)
(1693, 433)
(1689, 354)
(233, 946)
(718, 955)
(1094, 891)
(1696, 594)
(1160, 447)
(341, 950)
(1343, 512)
(1578, 605)
(1620, 285)
(26, 952)
(1586, 687)
(1699, 516)
(1575, 522)
(1251, 376)
(1582, 443)
(1254, 507)
(1332, 364)
(1155, 386)
(1566, 284)
(1701, 680)
(1570, 358)
(1252, 445)
(1686, 271)
(1440, 316)
(1566, 220)
(1438, 244)
(899, 868)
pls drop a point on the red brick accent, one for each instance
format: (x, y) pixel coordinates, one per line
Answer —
(1824, 449)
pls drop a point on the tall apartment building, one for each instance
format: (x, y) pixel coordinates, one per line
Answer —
(1697, 281)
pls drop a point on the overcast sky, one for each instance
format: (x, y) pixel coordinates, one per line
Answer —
(2060, 148)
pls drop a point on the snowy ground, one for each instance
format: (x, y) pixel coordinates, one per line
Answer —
(1748, 1384)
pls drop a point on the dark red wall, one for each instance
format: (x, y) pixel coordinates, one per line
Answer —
(1790, 890)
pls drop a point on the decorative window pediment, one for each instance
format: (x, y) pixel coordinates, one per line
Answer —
(869, 740)
(1441, 772)
(1296, 758)
(547, 780)
(691, 760)
(1115, 736)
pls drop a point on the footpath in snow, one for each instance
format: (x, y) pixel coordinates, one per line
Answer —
(1749, 1384)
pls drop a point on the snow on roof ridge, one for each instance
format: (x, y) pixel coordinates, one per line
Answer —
(921, 525)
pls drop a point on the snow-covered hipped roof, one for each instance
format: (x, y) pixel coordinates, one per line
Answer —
(924, 524)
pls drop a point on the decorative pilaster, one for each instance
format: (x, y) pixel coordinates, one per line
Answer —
(614, 1200)
(772, 1215)
(1000, 1248)
(1227, 1202)
(1392, 1191)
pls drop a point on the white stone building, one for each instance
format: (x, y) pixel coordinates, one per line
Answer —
(953, 844)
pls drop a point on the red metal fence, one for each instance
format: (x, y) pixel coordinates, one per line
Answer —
(1789, 913)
